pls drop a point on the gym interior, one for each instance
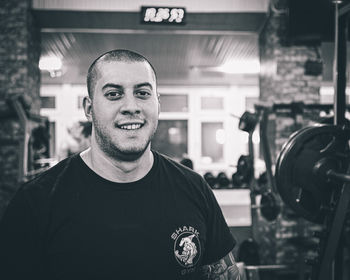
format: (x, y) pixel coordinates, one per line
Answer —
(254, 97)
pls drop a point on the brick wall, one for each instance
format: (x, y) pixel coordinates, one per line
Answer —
(19, 75)
(283, 80)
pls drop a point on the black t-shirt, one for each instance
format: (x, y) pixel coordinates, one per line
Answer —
(70, 223)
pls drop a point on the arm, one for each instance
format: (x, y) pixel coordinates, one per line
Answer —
(224, 269)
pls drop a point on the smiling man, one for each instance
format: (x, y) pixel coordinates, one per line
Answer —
(123, 107)
(118, 210)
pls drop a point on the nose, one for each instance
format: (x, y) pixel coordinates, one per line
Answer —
(130, 105)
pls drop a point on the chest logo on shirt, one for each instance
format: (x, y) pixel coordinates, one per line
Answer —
(187, 249)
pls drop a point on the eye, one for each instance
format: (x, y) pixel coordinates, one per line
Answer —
(113, 94)
(143, 94)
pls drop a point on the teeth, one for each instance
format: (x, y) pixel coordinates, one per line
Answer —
(131, 126)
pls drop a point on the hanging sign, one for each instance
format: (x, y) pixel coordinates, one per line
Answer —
(163, 15)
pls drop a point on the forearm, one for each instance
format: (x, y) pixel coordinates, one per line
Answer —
(224, 269)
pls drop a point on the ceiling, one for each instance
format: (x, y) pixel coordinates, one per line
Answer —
(180, 54)
(177, 58)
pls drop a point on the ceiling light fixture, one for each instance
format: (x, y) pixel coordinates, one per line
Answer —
(233, 67)
(52, 64)
(240, 67)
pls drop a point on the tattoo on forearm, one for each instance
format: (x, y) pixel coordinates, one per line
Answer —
(224, 269)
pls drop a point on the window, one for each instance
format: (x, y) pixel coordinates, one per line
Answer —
(213, 138)
(171, 138)
(250, 103)
(212, 103)
(174, 102)
(48, 102)
(80, 101)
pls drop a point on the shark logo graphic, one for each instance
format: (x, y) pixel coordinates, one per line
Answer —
(187, 248)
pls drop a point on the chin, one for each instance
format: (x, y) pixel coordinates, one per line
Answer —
(129, 154)
(132, 147)
(126, 153)
(122, 148)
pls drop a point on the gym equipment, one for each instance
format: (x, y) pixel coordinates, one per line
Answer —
(222, 180)
(312, 175)
(210, 179)
(266, 151)
(262, 180)
(248, 252)
(269, 204)
(313, 169)
(245, 169)
(244, 173)
(248, 122)
(304, 166)
(237, 181)
(19, 106)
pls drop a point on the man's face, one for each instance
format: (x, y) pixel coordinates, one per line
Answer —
(124, 108)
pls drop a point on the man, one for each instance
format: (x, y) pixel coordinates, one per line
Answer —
(117, 210)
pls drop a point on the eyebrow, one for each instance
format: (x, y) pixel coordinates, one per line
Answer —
(111, 85)
(143, 85)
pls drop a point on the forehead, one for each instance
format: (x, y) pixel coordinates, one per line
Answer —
(124, 73)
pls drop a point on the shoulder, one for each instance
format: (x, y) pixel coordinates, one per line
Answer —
(184, 179)
(34, 196)
(46, 181)
(177, 170)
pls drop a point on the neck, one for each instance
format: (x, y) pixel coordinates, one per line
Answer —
(116, 170)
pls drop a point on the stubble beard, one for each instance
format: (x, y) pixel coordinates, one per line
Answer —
(109, 146)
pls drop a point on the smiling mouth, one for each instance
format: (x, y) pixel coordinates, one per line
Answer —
(131, 126)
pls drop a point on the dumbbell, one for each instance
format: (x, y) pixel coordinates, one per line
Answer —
(269, 206)
(210, 179)
(237, 180)
(222, 180)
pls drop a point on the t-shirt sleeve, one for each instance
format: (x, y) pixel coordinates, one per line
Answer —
(19, 242)
(219, 238)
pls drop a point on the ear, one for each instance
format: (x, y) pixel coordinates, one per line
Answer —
(87, 104)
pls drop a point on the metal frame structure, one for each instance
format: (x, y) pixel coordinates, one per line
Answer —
(330, 265)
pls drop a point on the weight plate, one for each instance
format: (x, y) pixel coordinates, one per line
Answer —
(300, 186)
(286, 145)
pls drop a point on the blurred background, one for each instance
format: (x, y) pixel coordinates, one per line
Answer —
(235, 78)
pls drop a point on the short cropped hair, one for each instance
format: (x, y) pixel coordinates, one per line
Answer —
(119, 55)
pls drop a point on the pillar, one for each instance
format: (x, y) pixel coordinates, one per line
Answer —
(283, 80)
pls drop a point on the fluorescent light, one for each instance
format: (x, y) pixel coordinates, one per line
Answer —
(50, 63)
(240, 67)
